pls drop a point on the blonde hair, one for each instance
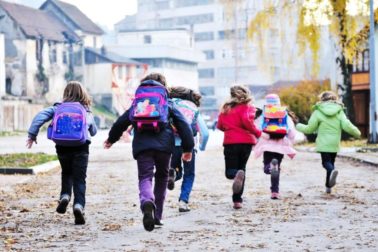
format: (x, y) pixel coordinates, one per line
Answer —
(239, 95)
(185, 94)
(156, 77)
(328, 96)
(75, 92)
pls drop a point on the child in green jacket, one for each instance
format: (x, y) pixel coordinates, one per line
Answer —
(328, 119)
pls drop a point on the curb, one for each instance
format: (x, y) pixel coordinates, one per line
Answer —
(341, 155)
(364, 161)
(32, 170)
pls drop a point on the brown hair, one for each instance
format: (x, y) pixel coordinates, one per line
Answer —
(239, 95)
(75, 92)
(185, 94)
(156, 77)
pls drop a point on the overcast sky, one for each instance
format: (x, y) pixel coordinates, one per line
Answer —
(104, 12)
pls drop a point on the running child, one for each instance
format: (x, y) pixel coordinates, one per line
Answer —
(153, 142)
(187, 102)
(276, 141)
(71, 121)
(328, 120)
(236, 120)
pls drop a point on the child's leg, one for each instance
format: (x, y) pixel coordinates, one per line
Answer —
(176, 162)
(328, 160)
(231, 157)
(65, 161)
(244, 151)
(188, 180)
(146, 163)
(161, 180)
(274, 180)
(79, 172)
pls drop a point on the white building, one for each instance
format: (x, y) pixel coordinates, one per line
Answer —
(170, 52)
(221, 34)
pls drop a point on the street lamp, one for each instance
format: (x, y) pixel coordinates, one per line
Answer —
(373, 113)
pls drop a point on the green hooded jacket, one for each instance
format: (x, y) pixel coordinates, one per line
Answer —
(328, 119)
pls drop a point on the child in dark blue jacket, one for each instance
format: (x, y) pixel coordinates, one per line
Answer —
(73, 159)
(153, 150)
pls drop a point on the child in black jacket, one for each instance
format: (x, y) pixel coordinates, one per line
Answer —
(154, 149)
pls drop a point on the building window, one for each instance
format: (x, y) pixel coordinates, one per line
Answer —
(147, 39)
(203, 36)
(207, 91)
(162, 4)
(206, 73)
(209, 54)
(185, 3)
(195, 19)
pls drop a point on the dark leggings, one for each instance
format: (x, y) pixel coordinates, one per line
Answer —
(268, 157)
(236, 157)
(328, 162)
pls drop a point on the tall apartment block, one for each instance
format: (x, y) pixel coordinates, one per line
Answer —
(221, 34)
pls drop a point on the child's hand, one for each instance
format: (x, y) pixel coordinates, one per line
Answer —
(107, 144)
(29, 142)
(265, 136)
(186, 156)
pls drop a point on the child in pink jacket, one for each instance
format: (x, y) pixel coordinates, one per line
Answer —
(273, 150)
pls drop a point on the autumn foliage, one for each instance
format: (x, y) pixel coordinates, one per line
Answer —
(300, 98)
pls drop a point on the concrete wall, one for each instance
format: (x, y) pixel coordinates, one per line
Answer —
(2, 65)
(17, 115)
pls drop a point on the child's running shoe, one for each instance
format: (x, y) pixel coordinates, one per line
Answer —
(275, 196)
(238, 205)
(148, 216)
(183, 207)
(78, 211)
(158, 222)
(238, 182)
(63, 203)
(328, 190)
(274, 170)
(171, 178)
(332, 178)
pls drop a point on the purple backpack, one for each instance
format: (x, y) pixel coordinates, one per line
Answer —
(69, 125)
(149, 110)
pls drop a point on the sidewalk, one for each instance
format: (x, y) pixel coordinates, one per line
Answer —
(352, 153)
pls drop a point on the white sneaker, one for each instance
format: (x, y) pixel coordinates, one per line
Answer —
(328, 190)
(183, 206)
(332, 178)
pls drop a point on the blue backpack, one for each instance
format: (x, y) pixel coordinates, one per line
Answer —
(69, 125)
(149, 110)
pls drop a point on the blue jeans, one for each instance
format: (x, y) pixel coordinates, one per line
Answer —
(74, 172)
(188, 173)
(328, 162)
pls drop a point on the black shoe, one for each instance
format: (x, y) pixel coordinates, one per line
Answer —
(78, 211)
(171, 178)
(63, 203)
(158, 222)
(332, 178)
(148, 216)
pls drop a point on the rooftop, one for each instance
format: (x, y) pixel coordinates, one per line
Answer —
(40, 25)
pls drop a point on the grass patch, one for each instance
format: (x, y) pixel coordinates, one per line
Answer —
(101, 110)
(24, 160)
(11, 133)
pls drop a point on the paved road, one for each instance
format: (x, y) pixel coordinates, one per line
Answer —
(305, 219)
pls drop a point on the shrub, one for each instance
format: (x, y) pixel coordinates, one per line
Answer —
(300, 98)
